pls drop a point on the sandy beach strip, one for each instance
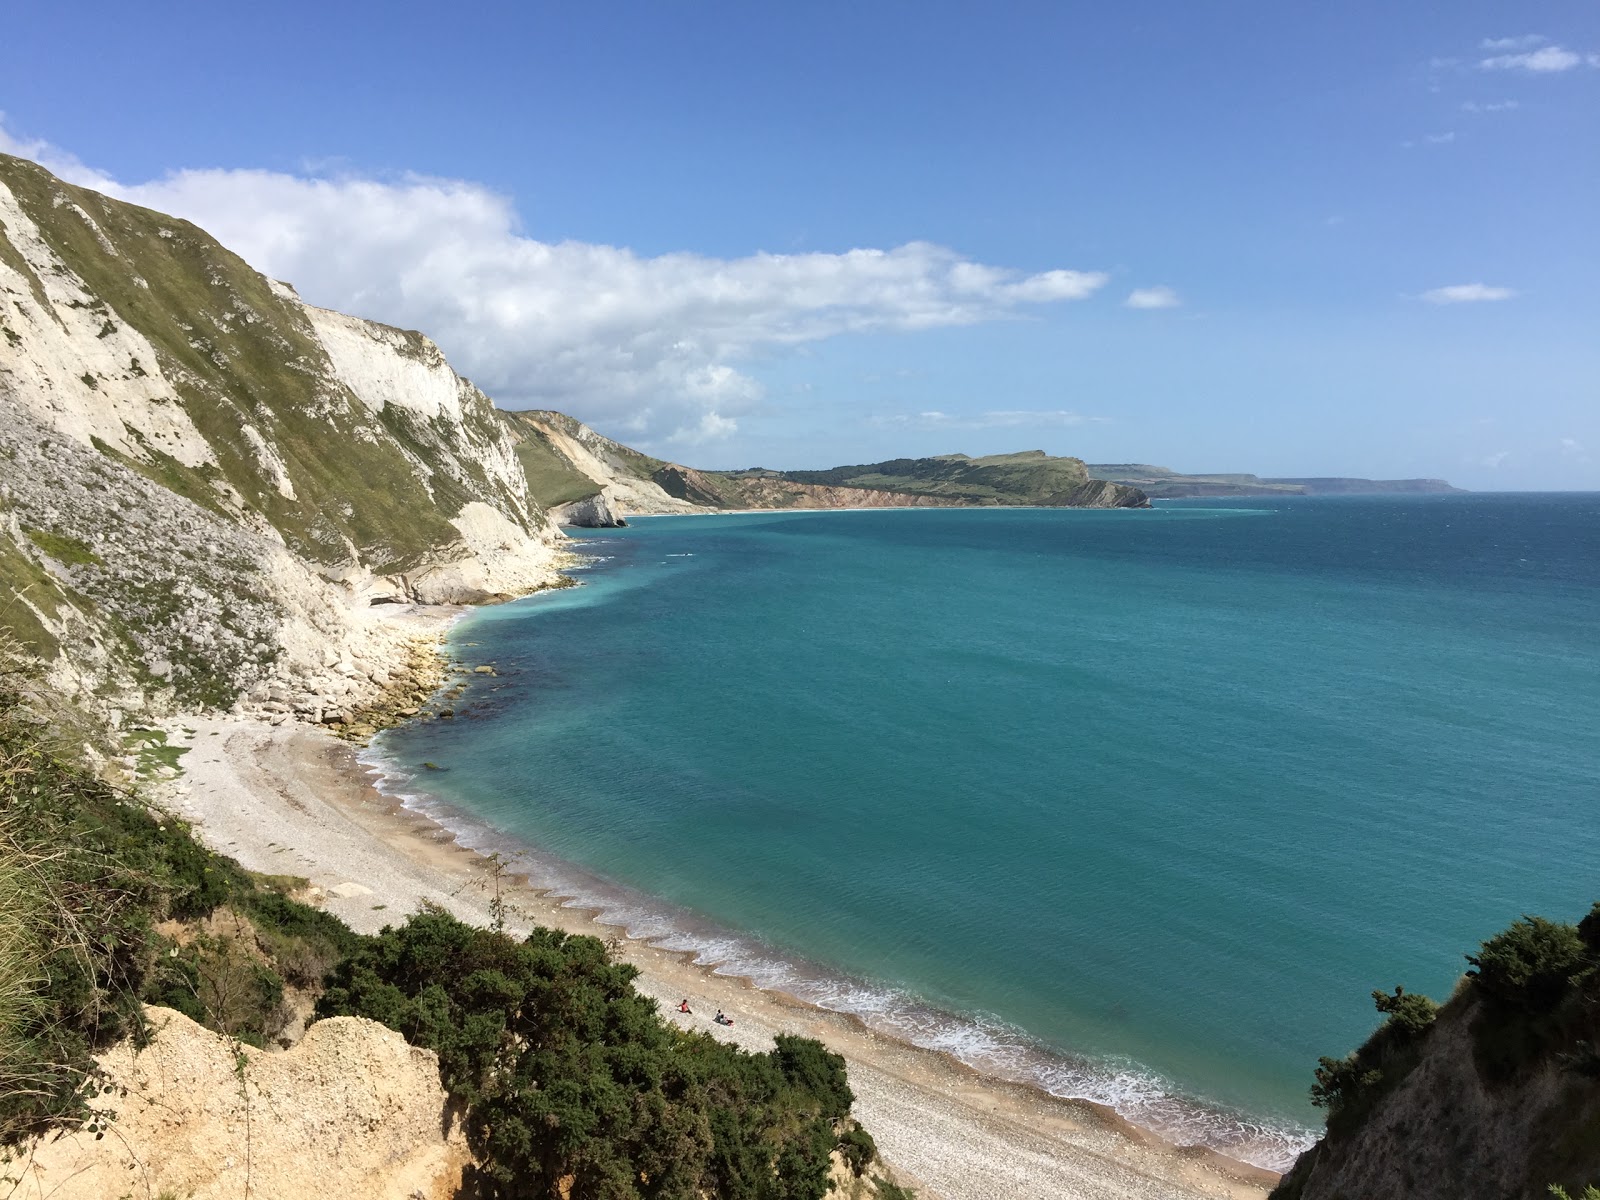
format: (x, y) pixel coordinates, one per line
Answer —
(293, 800)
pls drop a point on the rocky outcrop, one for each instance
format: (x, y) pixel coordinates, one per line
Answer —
(352, 1110)
(592, 512)
(1102, 493)
(691, 486)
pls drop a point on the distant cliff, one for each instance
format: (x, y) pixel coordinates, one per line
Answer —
(1494, 1096)
(1031, 478)
(583, 477)
(721, 489)
(586, 479)
(1161, 483)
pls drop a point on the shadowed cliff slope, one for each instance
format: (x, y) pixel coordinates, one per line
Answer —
(1495, 1096)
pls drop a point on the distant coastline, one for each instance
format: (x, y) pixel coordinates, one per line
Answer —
(1162, 483)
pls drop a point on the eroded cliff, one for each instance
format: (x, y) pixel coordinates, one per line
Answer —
(208, 481)
(351, 1110)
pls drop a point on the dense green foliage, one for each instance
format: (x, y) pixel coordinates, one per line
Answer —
(570, 1082)
(87, 872)
(1529, 965)
(1348, 1087)
(573, 1086)
(1539, 982)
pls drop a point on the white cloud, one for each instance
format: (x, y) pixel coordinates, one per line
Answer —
(1467, 293)
(1543, 61)
(1525, 41)
(1474, 106)
(999, 419)
(1440, 139)
(652, 346)
(1493, 461)
(1573, 448)
(1159, 296)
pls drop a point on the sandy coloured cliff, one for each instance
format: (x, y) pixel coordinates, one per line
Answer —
(351, 1111)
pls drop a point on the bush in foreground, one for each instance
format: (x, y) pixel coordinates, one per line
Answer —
(574, 1087)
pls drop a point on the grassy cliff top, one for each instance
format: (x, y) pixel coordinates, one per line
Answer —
(1030, 477)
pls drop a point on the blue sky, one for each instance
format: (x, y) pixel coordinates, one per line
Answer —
(1358, 239)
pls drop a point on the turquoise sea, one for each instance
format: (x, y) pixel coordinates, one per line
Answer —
(1137, 806)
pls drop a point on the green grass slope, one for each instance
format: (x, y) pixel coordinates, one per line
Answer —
(241, 355)
(1031, 478)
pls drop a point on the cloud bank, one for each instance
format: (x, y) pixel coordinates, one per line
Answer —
(1543, 61)
(1467, 293)
(1160, 296)
(650, 346)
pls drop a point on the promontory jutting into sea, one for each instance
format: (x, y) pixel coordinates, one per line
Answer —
(1008, 611)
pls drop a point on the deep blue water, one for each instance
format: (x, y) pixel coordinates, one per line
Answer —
(1137, 805)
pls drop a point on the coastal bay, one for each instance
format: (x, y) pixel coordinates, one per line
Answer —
(293, 800)
(1137, 807)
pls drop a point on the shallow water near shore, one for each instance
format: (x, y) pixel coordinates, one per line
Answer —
(1137, 806)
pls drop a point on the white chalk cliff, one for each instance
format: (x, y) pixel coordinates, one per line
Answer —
(208, 482)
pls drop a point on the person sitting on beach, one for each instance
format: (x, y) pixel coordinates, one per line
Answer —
(722, 1020)
(684, 1006)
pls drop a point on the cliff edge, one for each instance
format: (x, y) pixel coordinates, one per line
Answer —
(1495, 1095)
(351, 1110)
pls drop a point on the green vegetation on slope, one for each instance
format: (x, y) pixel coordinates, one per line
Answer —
(624, 458)
(552, 479)
(1530, 1009)
(1031, 477)
(571, 1084)
(24, 585)
(240, 357)
(574, 1087)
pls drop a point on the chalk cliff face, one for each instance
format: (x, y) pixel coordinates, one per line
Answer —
(584, 478)
(208, 481)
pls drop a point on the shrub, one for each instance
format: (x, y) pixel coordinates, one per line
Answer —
(74, 927)
(1528, 966)
(572, 1083)
(1410, 1013)
(1348, 1087)
(858, 1149)
(86, 872)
